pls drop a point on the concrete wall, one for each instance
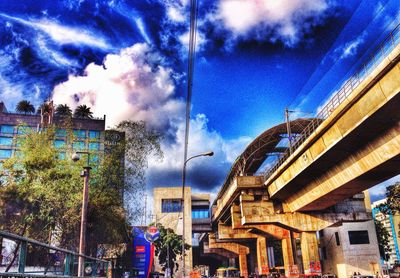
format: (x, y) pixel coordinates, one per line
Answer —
(345, 259)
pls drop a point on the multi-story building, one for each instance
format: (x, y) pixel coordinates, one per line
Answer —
(88, 133)
(391, 224)
(351, 247)
(168, 212)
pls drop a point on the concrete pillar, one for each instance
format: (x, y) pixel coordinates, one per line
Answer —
(243, 262)
(262, 258)
(287, 252)
(309, 249)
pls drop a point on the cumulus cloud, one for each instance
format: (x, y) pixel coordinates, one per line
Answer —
(135, 85)
(270, 20)
(350, 48)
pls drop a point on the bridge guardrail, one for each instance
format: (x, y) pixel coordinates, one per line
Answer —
(37, 259)
(389, 43)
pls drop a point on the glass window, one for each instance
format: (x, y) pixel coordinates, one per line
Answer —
(80, 133)
(24, 129)
(337, 238)
(171, 205)
(94, 158)
(61, 155)
(94, 146)
(7, 129)
(6, 141)
(359, 237)
(59, 143)
(200, 213)
(61, 133)
(78, 145)
(94, 134)
(5, 154)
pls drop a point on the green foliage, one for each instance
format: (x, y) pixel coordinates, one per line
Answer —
(140, 143)
(24, 106)
(38, 190)
(83, 111)
(63, 110)
(169, 245)
(383, 240)
(392, 205)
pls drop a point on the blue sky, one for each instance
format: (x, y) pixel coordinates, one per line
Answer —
(128, 60)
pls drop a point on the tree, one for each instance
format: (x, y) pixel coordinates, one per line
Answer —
(63, 110)
(24, 106)
(140, 143)
(169, 245)
(392, 204)
(383, 240)
(83, 111)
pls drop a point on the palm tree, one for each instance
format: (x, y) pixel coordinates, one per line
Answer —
(63, 110)
(83, 111)
(24, 106)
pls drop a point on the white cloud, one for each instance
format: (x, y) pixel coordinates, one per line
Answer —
(62, 34)
(133, 85)
(285, 20)
(351, 48)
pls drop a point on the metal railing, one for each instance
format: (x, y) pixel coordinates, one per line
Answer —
(381, 52)
(37, 259)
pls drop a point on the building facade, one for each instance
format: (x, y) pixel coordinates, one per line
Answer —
(391, 224)
(88, 133)
(168, 212)
(351, 247)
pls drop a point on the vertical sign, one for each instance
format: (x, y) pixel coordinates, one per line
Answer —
(143, 253)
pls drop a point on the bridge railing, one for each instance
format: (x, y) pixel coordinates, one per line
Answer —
(382, 51)
(24, 257)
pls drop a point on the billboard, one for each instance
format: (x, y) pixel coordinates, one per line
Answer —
(143, 253)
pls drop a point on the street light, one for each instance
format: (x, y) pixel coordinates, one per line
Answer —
(85, 199)
(210, 153)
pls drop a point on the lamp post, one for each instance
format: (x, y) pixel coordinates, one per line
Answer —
(85, 199)
(210, 153)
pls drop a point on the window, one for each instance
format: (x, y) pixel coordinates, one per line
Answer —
(61, 133)
(358, 237)
(171, 205)
(59, 143)
(80, 133)
(337, 238)
(24, 129)
(94, 158)
(94, 146)
(5, 154)
(6, 141)
(200, 213)
(61, 155)
(94, 134)
(7, 129)
(78, 145)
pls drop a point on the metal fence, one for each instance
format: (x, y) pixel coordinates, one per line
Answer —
(31, 258)
(381, 52)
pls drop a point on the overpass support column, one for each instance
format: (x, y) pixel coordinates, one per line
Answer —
(262, 258)
(243, 262)
(287, 252)
(309, 249)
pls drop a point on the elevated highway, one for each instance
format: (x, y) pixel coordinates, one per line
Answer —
(351, 145)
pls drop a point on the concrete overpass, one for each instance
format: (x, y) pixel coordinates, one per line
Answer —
(352, 145)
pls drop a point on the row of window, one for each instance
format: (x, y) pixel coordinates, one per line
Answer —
(78, 133)
(77, 145)
(200, 213)
(175, 205)
(4, 154)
